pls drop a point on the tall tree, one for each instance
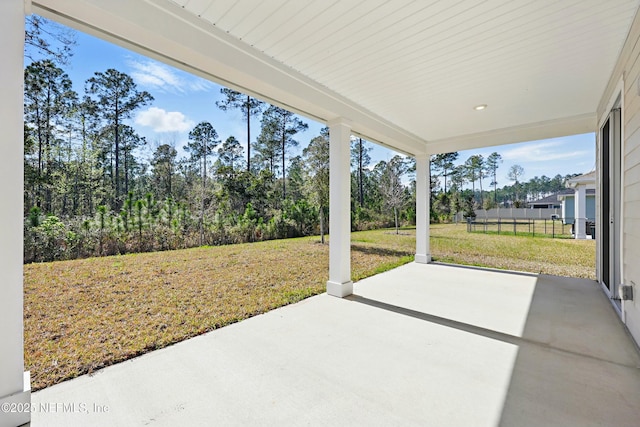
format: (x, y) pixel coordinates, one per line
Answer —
(474, 166)
(545, 185)
(164, 166)
(88, 179)
(117, 97)
(444, 163)
(230, 153)
(203, 139)
(317, 156)
(482, 173)
(493, 161)
(297, 177)
(130, 140)
(283, 125)
(250, 107)
(267, 149)
(48, 100)
(515, 173)
(360, 158)
(391, 188)
(458, 177)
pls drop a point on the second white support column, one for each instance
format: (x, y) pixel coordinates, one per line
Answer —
(423, 192)
(580, 202)
(339, 284)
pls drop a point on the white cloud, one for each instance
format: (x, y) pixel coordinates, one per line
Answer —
(156, 76)
(164, 121)
(541, 152)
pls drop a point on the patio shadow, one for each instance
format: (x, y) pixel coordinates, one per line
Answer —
(574, 363)
(577, 366)
(376, 250)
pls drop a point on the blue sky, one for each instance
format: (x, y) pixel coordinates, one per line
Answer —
(183, 100)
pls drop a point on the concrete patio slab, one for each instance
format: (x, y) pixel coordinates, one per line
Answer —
(419, 345)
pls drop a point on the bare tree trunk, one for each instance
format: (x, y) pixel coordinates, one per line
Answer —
(117, 157)
(481, 195)
(284, 177)
(204, 179)
(126, 172)
(395, 214)
(495, 188)
(248, 133)
(360, 183)
(322, 225)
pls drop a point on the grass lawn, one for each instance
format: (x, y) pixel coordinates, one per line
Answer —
(561, 257)
(86, 314)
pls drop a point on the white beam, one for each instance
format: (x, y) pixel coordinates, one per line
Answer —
(340, 284)
(575, 125)
(13, 389)
(423, 191)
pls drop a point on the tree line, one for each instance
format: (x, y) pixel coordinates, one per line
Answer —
(450, 182)
(94, 186)
(89, 190)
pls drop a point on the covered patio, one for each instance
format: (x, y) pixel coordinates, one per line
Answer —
(423, 344)
(419, 345)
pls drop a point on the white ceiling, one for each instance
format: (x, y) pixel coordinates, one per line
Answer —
(405, 72)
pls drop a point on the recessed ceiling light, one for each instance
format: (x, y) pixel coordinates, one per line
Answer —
(480, 107)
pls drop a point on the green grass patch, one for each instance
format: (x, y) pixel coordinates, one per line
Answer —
(86, 314)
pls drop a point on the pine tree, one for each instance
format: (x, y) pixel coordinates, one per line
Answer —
(48, 101)
(360, 158)
(515, 173)
(317, 157)
(203, 139)
(117, 97)
(164, 166)
(230, 153)
(444, 164)
(250, 107)
(493, 161)
(282, 126)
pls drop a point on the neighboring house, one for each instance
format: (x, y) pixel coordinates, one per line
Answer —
(579, 208)
(549, 202)
(567, 201)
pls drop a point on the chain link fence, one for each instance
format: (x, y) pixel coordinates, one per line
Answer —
(554, 227)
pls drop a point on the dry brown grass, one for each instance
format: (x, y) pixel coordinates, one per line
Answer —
(86, 314)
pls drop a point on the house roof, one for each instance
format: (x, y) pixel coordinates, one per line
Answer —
(570, 192)
(404, 73)
(556, 197)
(549, 200)
(585, 179)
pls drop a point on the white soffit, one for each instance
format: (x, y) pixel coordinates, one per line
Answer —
(404, 72)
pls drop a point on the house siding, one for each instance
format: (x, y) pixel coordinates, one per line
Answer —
(628, 68)
(569, 209)
(591, 208)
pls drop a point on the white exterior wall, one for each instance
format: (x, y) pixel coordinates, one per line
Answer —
(627, 69)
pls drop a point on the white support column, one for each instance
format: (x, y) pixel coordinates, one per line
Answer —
(423, 191)
(14, 383)
(340, 284)
(581, 212)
